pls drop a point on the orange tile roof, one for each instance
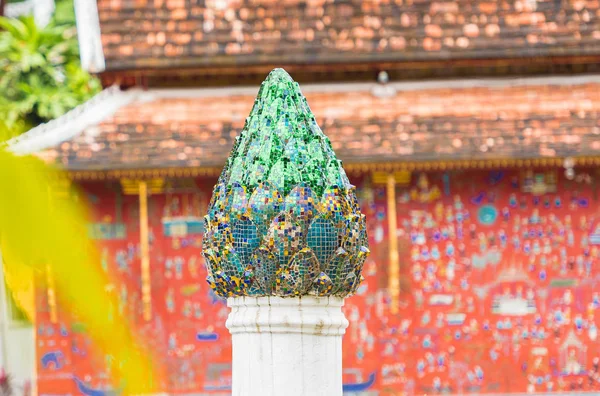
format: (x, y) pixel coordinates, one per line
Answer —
(179, 33)
(425, 124)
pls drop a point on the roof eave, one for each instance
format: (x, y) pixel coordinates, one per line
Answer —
(351, 168)
(74, 122)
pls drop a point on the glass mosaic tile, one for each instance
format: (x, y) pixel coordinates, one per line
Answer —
(283, 219)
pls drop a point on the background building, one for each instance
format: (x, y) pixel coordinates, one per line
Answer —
(477, 147)
(17, 339)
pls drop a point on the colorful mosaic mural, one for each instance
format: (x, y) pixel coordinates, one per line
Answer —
(497, 278)
(499, 270)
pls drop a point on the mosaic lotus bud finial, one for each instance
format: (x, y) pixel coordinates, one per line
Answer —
(283, 220)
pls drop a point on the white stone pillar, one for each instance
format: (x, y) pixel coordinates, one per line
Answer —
(287, 346)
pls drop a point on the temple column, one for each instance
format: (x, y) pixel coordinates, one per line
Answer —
(143, 189)
(145, 251)
(394, 280)
(287, 346)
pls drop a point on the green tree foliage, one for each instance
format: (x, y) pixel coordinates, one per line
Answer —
(41, 75)
(64, 12)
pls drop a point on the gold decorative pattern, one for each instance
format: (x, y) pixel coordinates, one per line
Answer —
(129, 174)
(131, 186)
(353, 168)
(145, 250)
(394, 280)
(401, 177)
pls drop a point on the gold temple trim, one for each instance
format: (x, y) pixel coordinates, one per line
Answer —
(466, 164)
(145, 251)
(402, 177)
(153, 186)
(93, 175)
(354, 168)
(394, 274)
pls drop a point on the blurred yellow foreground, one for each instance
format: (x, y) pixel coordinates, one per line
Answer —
(44, 234)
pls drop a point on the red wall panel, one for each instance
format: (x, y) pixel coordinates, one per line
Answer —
(497, 270)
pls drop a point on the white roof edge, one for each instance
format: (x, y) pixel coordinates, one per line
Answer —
(88, 32)
(14, 10)
(74, 122)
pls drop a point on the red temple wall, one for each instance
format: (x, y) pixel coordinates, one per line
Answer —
(497, 276)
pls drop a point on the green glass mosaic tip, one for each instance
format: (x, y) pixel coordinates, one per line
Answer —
(283, 206)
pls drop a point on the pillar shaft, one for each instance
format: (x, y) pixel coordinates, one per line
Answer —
(394, 271)
(145, 250)
(287, 346)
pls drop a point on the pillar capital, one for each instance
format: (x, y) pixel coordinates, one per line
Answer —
(303, 315)
(152, 186)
